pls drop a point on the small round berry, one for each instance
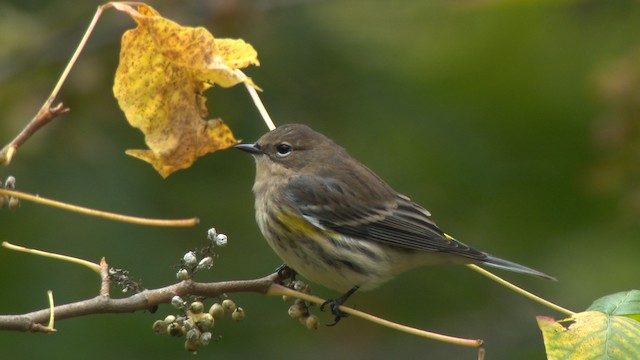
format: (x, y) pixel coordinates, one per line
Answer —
(14, 203)
(159, 327)
(169, 319)
(192, 346)
(193, 334)
(229, 305)
(216, 310)
(312, 322)
(205, 338)
(296, 311)
(206, 322)
(174, 329)
(188, 324)
(238, 314)
(196, 307)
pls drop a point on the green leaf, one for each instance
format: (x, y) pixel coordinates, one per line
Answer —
(626, 303)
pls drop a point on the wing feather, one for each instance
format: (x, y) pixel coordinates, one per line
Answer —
(378, 215)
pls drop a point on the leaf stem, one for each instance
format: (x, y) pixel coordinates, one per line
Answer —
(258, 102)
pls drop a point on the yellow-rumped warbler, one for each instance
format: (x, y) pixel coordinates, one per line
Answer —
(338, 224)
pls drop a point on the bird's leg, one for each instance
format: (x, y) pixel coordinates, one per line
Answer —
(285, 272)
(335, 304)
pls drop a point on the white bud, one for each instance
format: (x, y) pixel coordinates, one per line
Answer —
(177, 302)
(221, 240)
(10, 183)
(211, 234)
(182, 274)
(206, 263)
(190, 258)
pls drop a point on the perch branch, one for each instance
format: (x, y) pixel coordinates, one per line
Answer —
(145, 300)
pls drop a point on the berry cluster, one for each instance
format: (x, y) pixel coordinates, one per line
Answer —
(300, 309)
(194, 323)
(190, 263)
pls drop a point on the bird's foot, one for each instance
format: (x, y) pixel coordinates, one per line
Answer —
(285, 272)
(335, 306)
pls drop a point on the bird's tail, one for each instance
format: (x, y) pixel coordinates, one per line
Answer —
(511, 266)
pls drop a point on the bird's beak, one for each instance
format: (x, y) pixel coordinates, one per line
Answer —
(253, 149)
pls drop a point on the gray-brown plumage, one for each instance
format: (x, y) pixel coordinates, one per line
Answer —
(337, 223)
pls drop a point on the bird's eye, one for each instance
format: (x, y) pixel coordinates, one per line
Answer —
(284, 149)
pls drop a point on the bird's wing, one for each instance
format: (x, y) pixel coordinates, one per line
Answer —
(385, 217)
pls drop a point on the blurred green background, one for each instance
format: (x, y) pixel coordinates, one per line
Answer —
(515, 123)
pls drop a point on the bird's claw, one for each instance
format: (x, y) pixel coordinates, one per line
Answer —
(335, 310)
(285, 272)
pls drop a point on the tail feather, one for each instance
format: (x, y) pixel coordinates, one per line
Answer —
(511, 266)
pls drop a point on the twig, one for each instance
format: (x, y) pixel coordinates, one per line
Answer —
(105, 285)
(279, 290)
(519, 290)
(99, 213)
(93, 266)
(51, 311)
(47, 112)
(43, 117)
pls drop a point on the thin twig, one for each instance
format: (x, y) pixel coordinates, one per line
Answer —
(519, 290)
(105, 285)
(47, 112)
(93, 266)
(279, 290)
(103, 214)
(52, 312)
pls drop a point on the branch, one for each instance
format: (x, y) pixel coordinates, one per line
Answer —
(43, 117)
(145, 300)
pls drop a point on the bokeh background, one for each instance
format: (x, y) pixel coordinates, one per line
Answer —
(514, 122)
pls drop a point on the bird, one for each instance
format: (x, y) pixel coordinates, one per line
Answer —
(334, 221)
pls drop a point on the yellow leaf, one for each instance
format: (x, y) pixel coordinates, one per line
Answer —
(164, 69)
(591, 335)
